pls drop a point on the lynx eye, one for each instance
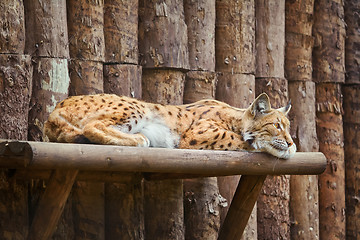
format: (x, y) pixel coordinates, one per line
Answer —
(277, 126)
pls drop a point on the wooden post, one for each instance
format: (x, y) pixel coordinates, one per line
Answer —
(47, 42)
(199, 85)
(87, 52)
(163, 34)
(163, 43)
(352, 39)
(51, 86)
(351, 95)
(329, 72)
(235, 36)
(12, 34)
(235, 65)
(15, 91)
(124, 213)
(168, 84)
(121, 31)
(51, 204)
(202, 201)
(163, 201)
(200, 21)
(304, 207)
(86, 77)
(46, 28)
(273, 203)
(242, 205)
(124, 210)
(351, 117)
(87, 46)
(123, 79)
(86, 29)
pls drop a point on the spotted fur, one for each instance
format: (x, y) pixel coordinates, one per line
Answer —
(206, 124)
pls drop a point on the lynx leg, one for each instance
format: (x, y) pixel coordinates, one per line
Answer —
(208, 134)
(98, 132)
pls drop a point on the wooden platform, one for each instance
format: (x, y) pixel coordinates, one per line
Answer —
(62, 164)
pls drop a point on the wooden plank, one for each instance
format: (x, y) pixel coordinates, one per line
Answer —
(241, 207)
(51, 204)
(42, 155)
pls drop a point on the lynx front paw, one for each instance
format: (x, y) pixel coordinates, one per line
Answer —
(144, 141)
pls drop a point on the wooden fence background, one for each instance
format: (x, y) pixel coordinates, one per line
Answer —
(180, 51)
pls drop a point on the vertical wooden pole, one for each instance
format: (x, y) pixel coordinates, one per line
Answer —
(12, 36)
(329, 72)
(47, 42)
(273, 203)
(163, 200)
(87, 52)
(202, 200)
(163, 34)
(351, 117)
(46, 28)
(200, 21)
(51, 204)
(163, 43)
(304, 207)
(121, 31)
(15, 91)
(124, 210)
(235, 66)
(351, 95)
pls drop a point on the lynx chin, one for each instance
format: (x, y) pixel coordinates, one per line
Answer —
(206, 124)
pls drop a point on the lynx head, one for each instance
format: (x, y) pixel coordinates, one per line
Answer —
(267, 129)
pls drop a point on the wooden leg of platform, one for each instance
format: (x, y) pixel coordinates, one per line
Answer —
(241, 207)
(51, 204)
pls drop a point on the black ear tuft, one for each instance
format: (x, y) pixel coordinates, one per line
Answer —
(260, 105)
(286, 109)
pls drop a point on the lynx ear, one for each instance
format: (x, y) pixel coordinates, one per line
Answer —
(260, 105)
(286, 109)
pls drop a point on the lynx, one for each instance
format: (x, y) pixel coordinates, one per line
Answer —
(206, 124)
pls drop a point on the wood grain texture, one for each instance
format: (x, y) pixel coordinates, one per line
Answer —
(46, 28)
(200, 21)
(41, 155)
(352, 158)
(330, 133)
(163, 40)
(270, 38)
(121, 31)
(12, 32)
(51, 204)
(123, 79)
(241, 207)
(86, 30)
(235, 36)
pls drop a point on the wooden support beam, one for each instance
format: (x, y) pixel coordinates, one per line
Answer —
(51, 204)
(241, 207)
(41, 155)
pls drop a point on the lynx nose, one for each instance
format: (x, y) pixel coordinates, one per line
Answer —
(289, 143)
